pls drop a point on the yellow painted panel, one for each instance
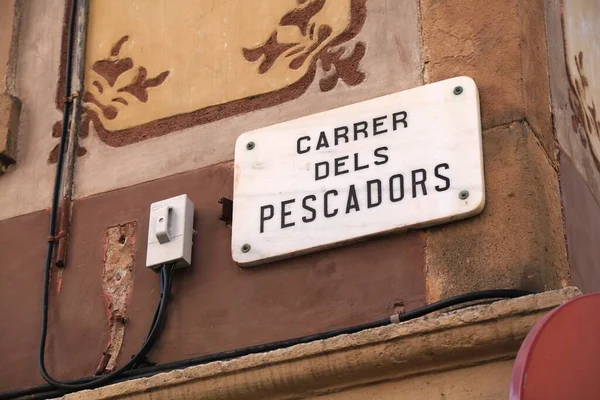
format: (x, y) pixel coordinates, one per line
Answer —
(148, 60)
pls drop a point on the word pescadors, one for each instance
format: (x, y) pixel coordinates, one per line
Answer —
(363, 196)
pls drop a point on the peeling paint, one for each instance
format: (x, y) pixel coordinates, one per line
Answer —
(59, 280)
(117, 283)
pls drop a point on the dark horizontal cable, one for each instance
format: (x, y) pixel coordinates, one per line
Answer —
(44, 391)
(463, 298)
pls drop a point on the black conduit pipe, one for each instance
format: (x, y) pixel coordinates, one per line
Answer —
(56, 188)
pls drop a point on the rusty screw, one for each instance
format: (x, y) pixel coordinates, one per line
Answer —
(458, 90)
(246, 248)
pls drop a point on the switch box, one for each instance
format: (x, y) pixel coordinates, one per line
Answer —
(170, 232)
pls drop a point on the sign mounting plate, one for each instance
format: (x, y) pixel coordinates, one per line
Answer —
(405, 160)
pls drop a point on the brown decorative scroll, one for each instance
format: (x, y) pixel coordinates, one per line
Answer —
(111, 69)
(271, 51)
(337, 63)
(139, 87)
(345, 69)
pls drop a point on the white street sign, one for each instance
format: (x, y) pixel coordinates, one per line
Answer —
(409, 159)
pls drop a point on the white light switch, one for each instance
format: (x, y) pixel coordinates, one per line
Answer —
(170, 231)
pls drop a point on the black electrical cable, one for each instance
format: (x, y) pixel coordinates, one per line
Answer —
(98, 381)
(44, 391)
(165, 271)
(157, 322)
(461, 299)
(56, 188)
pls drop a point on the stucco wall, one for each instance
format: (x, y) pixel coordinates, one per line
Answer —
(167, 92)
(28, 186)
(6, 19)
(574, 62)
(10, 106)
(582, 141)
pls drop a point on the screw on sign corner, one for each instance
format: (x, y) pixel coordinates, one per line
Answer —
(463, 195)
(458, 90)
(250, 145)
(246, 248)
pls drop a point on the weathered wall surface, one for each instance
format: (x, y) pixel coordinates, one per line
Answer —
(582, 224)
(21, 325)
(502, 47)
(152, 114)
(10, 110)
(518, 240)
(164, 103)
(582, 141)
(214, 85)
(10, 106)
(28, 186)
(6, 30)
(216, 305)
(574, 64)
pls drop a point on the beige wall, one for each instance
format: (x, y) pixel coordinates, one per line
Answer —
(27, 187)
(10, 106)
(167, 92)
(391, 62)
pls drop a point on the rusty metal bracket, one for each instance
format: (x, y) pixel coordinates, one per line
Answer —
(226, 210)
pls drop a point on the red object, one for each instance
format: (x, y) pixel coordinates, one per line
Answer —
(560, 358)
